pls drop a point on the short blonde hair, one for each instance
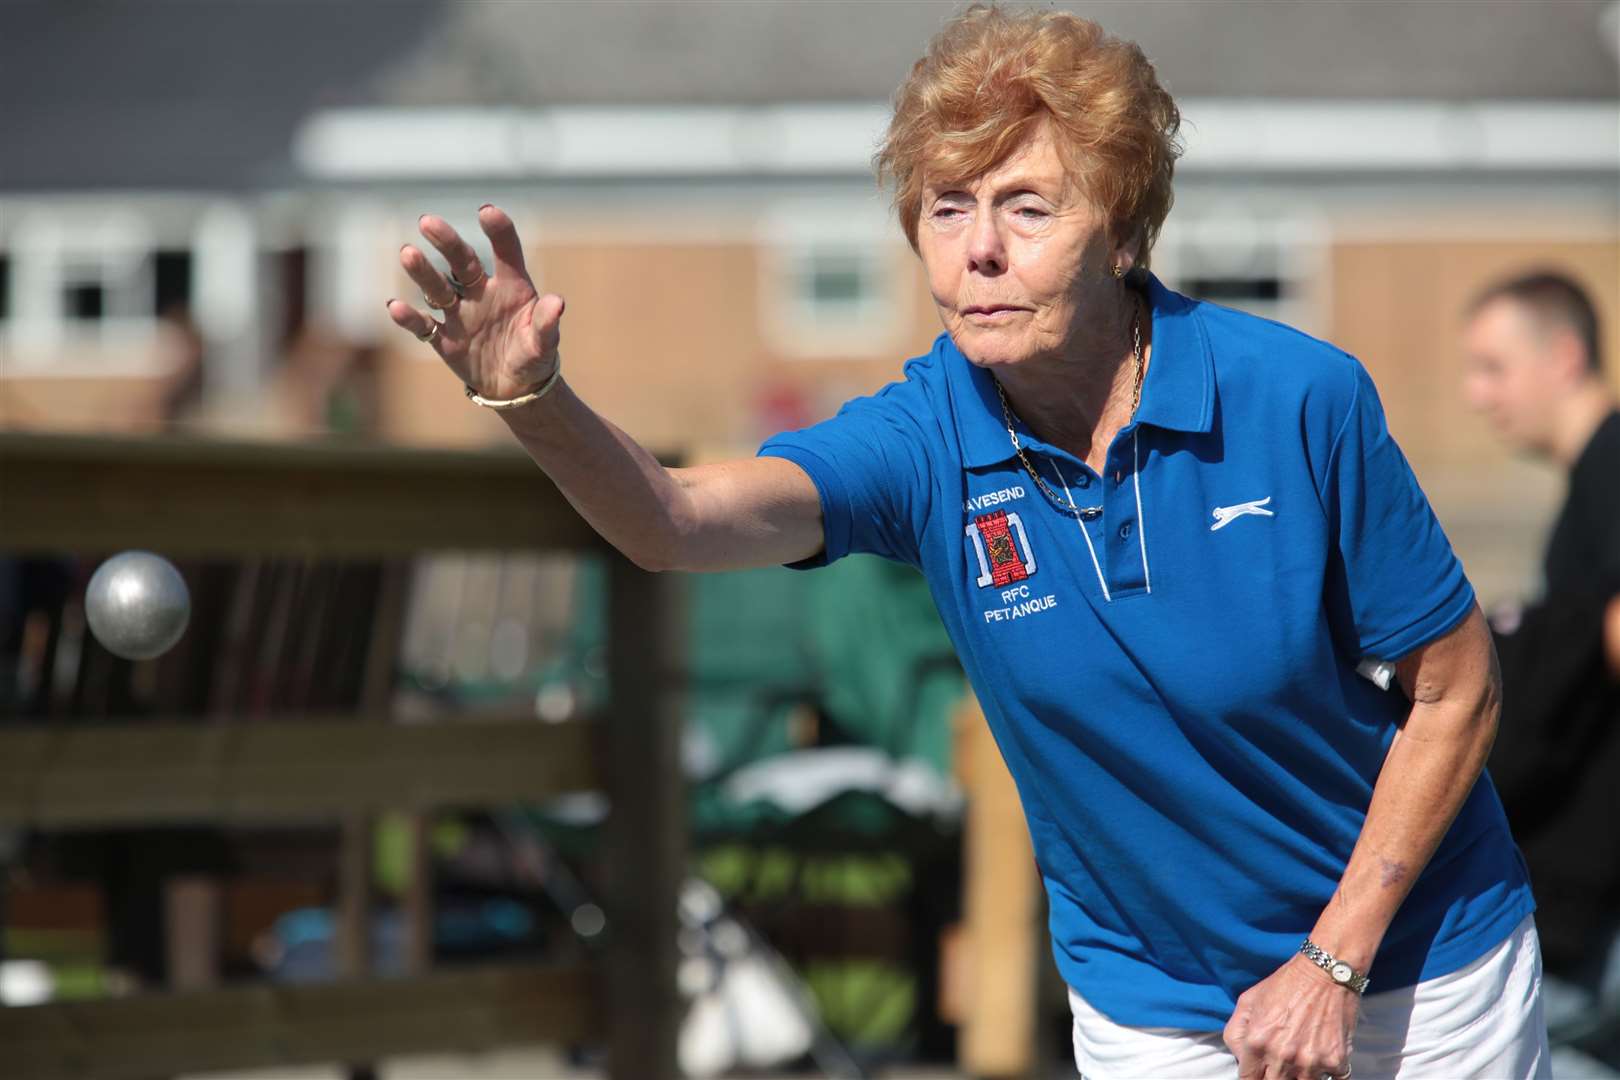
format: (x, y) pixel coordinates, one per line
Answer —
(991, 76)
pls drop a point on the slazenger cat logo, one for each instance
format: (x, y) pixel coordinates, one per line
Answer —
(1001, 560)
(1225, 515)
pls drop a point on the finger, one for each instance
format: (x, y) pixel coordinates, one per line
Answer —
(1292, 1067)
(435, 288)
(1251, 1065)
(503, 237)
(547, 322)
(463, 260)
(1235, 1030)
(417, 323)
(1254, 1060)
(1278, 1069)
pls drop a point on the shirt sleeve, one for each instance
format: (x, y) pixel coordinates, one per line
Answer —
(870, 467)
(1394, 583)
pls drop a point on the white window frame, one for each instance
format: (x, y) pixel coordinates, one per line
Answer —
(792, 236)
(1231, 238)
(112, 248)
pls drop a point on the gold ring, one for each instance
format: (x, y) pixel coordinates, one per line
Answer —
(447, 306)
(430, 335)
(462, 286)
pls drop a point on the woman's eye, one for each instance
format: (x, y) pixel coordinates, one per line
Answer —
(1030, 213)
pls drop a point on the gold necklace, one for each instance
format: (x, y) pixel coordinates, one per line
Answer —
(1068, 507)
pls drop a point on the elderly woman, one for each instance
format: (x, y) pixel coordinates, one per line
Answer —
(1166, 538)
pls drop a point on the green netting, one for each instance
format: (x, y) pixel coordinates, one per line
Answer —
(888, 674)
(860, 641)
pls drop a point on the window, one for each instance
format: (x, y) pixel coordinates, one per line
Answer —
(833, 298)
(1272, 268)
(171, 280)
(84, 301)
(106, 293)
(1236, 291)
(833, 280)
(80, 293)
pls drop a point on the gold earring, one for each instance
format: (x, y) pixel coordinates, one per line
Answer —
(1119, 271)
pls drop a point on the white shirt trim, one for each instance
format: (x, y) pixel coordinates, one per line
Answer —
(1085, 533)
(1141, 522)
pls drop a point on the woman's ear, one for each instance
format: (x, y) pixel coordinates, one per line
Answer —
(1126, 244)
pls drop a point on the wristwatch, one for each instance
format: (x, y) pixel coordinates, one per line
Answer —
(1339, 971)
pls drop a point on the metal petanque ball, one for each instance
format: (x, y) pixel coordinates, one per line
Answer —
(137, 605)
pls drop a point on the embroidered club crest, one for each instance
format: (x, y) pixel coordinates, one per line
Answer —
(1003, 548)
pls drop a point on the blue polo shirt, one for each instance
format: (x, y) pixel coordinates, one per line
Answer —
(1171, 677)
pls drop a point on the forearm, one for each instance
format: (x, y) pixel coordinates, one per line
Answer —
(1611, 636)
(616, 485)
(1432, 765)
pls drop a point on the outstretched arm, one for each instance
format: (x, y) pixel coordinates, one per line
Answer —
(501, 338)
(724, 516)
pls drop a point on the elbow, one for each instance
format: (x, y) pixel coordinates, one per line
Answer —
(1479, 713)
(1486, 724)
(662, 553)
(676, 537)
(663, 543)
(653, 560)
(1490, 697)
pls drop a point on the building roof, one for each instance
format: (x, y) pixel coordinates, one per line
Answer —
(730, 52)
(180, 95)
(204, 95)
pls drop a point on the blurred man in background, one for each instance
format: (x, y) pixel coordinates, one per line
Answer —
(1535, 369)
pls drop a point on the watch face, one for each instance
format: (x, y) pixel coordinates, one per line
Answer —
(1341, 972)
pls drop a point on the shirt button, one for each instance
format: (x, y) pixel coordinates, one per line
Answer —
(1082, 481)
(1125, 531)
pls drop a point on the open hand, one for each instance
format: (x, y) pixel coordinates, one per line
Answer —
(500, 336)
(1296, 1024)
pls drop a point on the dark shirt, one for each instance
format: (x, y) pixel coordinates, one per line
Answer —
(1556, 762)
(1584, 552)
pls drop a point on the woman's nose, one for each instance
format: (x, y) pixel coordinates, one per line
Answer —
(986, 252)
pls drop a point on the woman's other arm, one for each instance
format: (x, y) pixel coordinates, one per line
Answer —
(502, 339)
(1298, 1018)
(1432, 764)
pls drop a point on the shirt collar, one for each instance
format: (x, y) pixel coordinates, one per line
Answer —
(1178, 393)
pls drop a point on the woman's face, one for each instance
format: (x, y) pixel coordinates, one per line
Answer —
(1019, 260)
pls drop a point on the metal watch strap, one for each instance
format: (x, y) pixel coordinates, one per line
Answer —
(1339, 971)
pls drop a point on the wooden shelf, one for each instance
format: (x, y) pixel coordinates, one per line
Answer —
(68, 776)
(253, 1027)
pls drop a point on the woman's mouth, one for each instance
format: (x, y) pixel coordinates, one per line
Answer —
(991, 313)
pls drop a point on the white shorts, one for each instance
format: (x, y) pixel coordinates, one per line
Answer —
(1483, 1020)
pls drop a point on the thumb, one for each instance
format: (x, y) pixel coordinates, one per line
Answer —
(546, 322)
(1235, 1029)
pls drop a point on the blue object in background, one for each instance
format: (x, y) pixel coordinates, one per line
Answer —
(303, 938)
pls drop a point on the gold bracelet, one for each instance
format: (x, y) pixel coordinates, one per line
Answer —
(512, 403)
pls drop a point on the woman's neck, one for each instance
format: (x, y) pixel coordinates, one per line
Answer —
(1080, 400)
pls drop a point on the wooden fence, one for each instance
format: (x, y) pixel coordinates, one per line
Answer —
(213, 499)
